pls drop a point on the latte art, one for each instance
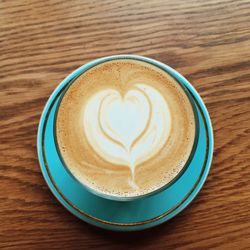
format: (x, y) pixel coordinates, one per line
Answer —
(130, 129)
(125, 128)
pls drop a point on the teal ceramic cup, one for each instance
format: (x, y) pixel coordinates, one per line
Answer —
(71, 79)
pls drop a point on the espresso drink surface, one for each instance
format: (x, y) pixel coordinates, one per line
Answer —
(125, 128)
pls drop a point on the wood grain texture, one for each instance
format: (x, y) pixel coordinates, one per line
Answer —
(41, 42)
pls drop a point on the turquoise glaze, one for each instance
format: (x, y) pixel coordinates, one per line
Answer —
(123, 215)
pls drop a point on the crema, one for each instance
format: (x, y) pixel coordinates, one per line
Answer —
(125, 128)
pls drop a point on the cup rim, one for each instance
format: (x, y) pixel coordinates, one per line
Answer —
(174, 74)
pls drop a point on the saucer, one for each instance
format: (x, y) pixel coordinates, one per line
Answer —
(123, 215)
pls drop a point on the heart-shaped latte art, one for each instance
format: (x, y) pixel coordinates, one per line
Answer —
(130, 129)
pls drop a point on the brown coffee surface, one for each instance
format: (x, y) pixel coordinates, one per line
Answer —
(125, 128)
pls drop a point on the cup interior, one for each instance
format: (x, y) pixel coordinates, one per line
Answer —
(179, 79)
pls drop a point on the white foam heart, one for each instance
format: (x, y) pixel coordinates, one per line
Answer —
(124, 118)
(130, 129)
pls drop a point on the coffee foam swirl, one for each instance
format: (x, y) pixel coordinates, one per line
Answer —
(130, 129)
(125, 128)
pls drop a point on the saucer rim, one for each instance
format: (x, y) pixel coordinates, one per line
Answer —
(198, 184)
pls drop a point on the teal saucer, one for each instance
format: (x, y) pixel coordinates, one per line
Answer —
(123, 215)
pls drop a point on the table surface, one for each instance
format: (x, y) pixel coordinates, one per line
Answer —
(43, 41)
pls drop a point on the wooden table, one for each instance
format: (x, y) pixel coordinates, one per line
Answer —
(43, 41)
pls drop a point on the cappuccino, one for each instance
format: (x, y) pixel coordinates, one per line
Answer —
(125, 128)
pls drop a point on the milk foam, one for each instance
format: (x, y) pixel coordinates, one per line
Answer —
(125, 128)
(130, 129)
